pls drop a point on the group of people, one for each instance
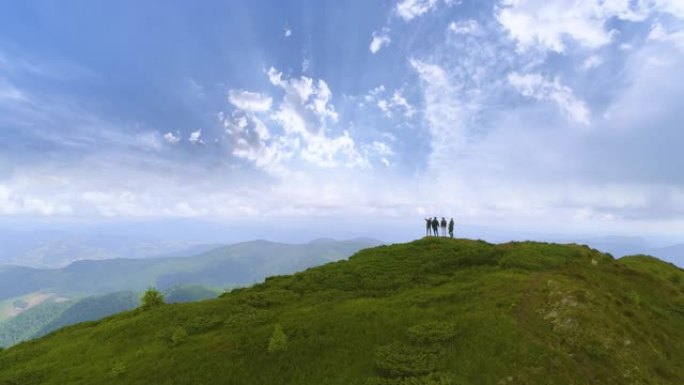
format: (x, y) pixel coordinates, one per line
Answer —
(432, 227)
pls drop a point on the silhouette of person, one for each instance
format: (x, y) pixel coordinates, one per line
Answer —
(451, 228)
(435, 226)
(443, 225)
(428, 225)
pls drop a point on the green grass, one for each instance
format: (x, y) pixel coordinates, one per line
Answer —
(433, 311)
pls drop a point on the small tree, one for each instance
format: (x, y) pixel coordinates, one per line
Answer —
(278, 340)
(152, 298)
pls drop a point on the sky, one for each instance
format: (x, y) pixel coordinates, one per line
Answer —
(545, 115)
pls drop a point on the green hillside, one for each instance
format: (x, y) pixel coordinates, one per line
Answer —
(433, 311)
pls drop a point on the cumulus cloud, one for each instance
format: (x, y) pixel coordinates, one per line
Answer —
(250, 101)
(379, 40)
(251, 140)
(301, 126)
(171, 138)
(196, 137)
(537, 87)
(304, 98)
(410, 9)
(592, 61)
(550, 24)
(464, 27)
(660, 34)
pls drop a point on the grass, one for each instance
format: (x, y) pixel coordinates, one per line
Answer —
(433, 311)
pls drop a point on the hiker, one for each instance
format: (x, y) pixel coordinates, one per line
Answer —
(443, 225)
(435, 226)
(451, 228)
(428, 225)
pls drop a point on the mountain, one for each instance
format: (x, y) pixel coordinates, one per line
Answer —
(433, 311)
(36, 301)
(54, 249)
(233, 265)
(623, 246)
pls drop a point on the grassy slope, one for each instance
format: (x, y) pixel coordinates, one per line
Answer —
(434, 311)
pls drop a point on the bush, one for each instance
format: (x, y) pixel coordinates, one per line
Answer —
(399, 360)
(432, 332)
(278, 340)
(179, 336)
(118, 369)
(151, 299)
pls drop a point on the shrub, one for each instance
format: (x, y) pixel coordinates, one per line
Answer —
(151, 299)
(399, 360)
(118, 369)
(432, 332)
(179, 336)
(278, 341)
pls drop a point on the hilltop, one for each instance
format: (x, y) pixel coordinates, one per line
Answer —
(433, 311)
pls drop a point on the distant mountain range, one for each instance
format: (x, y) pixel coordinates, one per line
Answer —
(52, 249)
(623, 246)
(34, 301)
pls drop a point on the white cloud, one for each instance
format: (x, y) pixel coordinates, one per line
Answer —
(398, 100)
(171, 138)
(303, 96)
(251, 140)
(372, 94)
(10, 93)
(196, 137)
(384, 106)
(537, 87)
(379, 40)
(444, 112)
(659, 33)
(14, 202)
(410, 9)
(465, 27)
(592, 61)
(250, 101)
(548, 24)
(397, 103)
(306, 115)
(288, 32)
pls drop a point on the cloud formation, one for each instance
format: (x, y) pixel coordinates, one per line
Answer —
(379, 40)
(250, 101)
(537, 87)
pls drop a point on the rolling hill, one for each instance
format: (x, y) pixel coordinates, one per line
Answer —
(433, 311)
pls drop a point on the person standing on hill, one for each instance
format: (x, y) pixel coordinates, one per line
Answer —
(428, 226)
(451, 228)
(443, 225)
(435, 226)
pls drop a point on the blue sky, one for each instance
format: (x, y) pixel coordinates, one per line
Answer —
(551, 115)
